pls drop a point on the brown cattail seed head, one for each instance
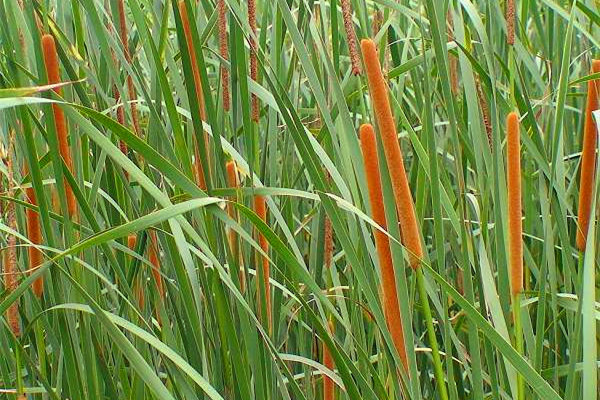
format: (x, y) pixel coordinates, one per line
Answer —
(515, 228)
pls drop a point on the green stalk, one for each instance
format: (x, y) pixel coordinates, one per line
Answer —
(435, 352)
(518, 331)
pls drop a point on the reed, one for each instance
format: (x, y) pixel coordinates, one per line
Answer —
(253, 60)
(387, 129)
(123, 34)
(199, 169)
(34, 234)
(262, 269)
(388, 277)
(588, 160)
(60, 124)
(224, 51)
(350, 36)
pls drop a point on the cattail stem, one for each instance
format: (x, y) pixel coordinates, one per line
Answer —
(34, 234)
(260, 208)
(253, 60)
(200, 174)
(515, 228)
(350, 36)
(224, 51)
(388, 278)
(130, 87)
(233, 182)
(387, 129)
(328, 362)
(60, 124)
(588, 160)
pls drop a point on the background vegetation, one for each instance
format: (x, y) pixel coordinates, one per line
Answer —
(151, 277)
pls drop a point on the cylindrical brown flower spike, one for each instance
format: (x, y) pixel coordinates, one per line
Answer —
(260, 208)
(53, 74)
(388, 278)
(588, 160)
(126, 53)
(387, 129)
(513, 181)
(224, 51)
(510, 22)
(233, 182)
(10, 268)
(253, 61)
(351, 36)
(328, 385)
(200, 174)
(34, 234)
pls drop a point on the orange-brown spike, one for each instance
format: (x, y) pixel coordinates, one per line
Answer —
(253, 62)
(200, 173)
(224, 51)
(588, 160)
(387, 129)
(260, 208)
(388, 278)
(513, 181)
(328, 385)
(510, 22)
(11, 269)
(34, 234)
(351, 36)
(53, 74)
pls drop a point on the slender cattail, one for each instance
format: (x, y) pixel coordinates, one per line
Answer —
(452, 59)
(382, 243)
(200, 174)
(53, 74)
(131, 241)
(510, 22)
(328, 385)
(387, 129)
(34, 234)
(10, 269)
(515, 228)
(328, 245)
(130, 87)
(224, 51)
(485, 111)
(260, 208)
(351, 36)
(588, 159)
(253, 61)
(233, 182)
(153, 257)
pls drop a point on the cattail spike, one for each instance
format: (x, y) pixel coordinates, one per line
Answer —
(387, 129)
(53, 74)
(34, 234)
(328, 385)
(510, 22)
(10, 268)
(253, 61)
(588, 159)
(351, 36)
(224, 51)
(388, 278)
(260, 208)
(515, 228)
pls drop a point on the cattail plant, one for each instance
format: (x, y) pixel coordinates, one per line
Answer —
(200, 173)
(513, 177)
(223, 50)
(233, 182)
(485, 111)
(10, 269)
(34, 234)
(126, 53)
(53, 75)
(452, 59)
(388, 277)
(387, 128)
(510, 22)
(153, 257)
(253, 60)
(328, 385)
(350, 36)
(588, 160)
(262, 269)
